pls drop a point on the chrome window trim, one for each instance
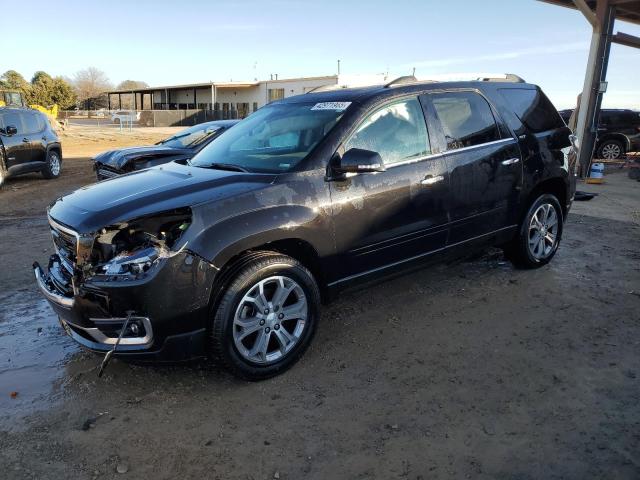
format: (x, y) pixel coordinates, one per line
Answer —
(431, 156)
(482, 145)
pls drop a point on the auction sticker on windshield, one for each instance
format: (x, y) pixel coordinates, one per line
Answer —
(336, 106)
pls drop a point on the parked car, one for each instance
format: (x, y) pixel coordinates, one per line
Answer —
(618, 132)
(125, 116)
(231, 253)
(28, 144)
(183, 145)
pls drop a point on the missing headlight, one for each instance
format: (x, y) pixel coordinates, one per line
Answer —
(132, 248)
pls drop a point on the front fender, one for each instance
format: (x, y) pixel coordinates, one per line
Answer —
(231, 236)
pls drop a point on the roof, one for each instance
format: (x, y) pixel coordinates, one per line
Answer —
(626, 10)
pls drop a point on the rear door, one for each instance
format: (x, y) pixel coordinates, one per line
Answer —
(484, 161)
(16, 146)
(34, 132)
(385, 218)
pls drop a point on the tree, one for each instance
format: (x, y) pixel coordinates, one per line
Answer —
(12, 80)
(41, 86)
(91, 85)
(63, 93)
(132, 85)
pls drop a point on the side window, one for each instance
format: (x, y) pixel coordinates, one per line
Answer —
(42, 121)
(533, 108)
(466, 119)
(397, 132)
(30, 121)
(12, 119)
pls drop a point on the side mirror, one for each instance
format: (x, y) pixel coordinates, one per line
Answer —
(11, 130)
(358, 160)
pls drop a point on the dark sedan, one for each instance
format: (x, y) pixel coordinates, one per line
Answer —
(183, 145)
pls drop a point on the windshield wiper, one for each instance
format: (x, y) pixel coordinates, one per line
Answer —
(175, 137)
(225, 166)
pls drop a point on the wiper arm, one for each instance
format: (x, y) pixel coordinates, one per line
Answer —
(226, 166)
(175, 137)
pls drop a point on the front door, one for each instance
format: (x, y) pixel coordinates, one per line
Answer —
(485, 165)
(382, 219)
(16, 146)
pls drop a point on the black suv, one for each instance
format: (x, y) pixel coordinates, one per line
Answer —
(230, 253)
(618, 132)
(28, 144)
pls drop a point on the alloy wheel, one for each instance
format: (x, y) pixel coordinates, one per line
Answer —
(54, 164)
(270, 319)
(543, 232)
(611, 151)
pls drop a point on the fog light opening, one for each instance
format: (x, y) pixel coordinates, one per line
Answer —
(135, 329)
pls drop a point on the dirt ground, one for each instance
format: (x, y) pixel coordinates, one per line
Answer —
(464, 370)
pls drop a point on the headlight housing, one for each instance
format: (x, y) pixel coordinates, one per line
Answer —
(131, 249)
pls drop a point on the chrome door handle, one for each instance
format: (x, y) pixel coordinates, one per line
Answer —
(430, 179)
(511, 161)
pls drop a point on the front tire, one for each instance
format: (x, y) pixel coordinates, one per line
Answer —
(611, 150)
(539, 234)
(54, 165)
(266, 317)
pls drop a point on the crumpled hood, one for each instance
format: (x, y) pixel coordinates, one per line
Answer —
(150, 191)
(118, 158)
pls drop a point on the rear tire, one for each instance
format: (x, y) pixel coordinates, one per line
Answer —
(258, 330)
(53, 166)
(539, 234)
(611, 150)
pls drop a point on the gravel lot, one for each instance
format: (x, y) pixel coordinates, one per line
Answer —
(464, 370)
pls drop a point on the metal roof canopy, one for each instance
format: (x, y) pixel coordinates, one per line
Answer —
(601, 14)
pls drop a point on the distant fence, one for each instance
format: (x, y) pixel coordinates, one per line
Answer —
(157, 118)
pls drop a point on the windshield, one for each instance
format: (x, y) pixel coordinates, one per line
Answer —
(191, 137)
(274, 139)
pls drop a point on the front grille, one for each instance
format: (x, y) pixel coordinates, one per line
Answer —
(104, 171)
(65, 242)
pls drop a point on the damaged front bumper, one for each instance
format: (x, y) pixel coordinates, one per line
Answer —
(168, 310)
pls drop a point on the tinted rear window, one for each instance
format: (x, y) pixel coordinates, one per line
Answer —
(617, 118)
(466, 119)
(533, 109)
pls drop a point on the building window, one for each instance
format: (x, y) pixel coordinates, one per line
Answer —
(275, 94)
(243, 109)
(255, 106)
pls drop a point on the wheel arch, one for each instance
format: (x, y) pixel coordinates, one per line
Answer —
(621, 137)
(296, 248)
(556, 186)
(55, 147)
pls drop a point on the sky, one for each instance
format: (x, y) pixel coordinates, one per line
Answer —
(165, 43)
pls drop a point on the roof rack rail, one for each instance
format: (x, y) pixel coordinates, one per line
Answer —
(325, 88)
(401, 80)
(508, 77)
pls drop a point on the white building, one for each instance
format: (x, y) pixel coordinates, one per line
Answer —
(232, 98)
